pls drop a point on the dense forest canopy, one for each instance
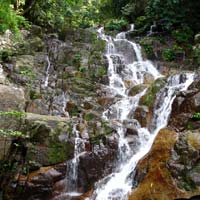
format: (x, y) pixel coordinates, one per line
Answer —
(115, 14)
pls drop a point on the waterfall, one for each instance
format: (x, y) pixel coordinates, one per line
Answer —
(118, 185)
(71, 180)
(46, 80)
(72, 176)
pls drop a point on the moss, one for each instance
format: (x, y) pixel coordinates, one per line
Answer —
(26, 71)
(34, 95)
(148, 46)
(59, 152)
(149, 98)
(197, 55)
(6, 55)
(88, 116)
(77, 59)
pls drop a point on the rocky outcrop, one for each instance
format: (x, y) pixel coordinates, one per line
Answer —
(37, 185)
(52, 80)
(171, 169)
(153, 177)
(184, 161)
(184, 106)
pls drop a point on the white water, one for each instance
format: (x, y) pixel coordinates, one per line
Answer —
(46, 80)
(118, 184)
(72, 176)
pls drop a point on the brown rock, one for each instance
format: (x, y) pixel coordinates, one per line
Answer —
(152, 174)
(143, 115)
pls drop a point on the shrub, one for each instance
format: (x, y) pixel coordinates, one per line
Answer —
(141, 22)
(182, 35)
(116, 25)
(168, 55)
(9, 19)
(196, 116)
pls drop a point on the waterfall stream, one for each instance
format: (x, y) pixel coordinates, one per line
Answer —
(127, 65)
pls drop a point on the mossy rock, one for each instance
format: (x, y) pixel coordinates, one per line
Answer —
(149, 98)
(48, 139)
(136, 89)
(193, 139)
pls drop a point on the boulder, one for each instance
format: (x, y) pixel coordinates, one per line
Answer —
(153, 178)
(143, 115)
(11, 98)
(37, 185)
(136, 89)
(49, 139)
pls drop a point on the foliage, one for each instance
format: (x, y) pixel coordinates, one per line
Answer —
(10, 133)
(168, 55)
(59, 152)
(77, 60)
(174, 13)
(140, 22)
(116, 25)
(27, 72)
(149, 51)
(196, 115)
(182, 35)
(17, 115)
(134, 8)
(9, 19)
(13, 113)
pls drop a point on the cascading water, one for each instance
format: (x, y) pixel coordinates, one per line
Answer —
(123, 68)
(71, 180)
(72, 176)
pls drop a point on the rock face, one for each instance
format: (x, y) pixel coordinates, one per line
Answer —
(184, 106)
(52, 82)
(171, 169)
(11, 98)
(57, 82)
(152, 179)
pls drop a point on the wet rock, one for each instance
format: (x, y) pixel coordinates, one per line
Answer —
(136, 89)
(152, 176)
(37, 185)
(148, 78)
(183, 107)
(143, 115)
(184, 162)
(97, 164)
(105, 101)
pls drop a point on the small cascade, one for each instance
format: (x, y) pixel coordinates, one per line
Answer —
(118, 184)
(53, 46)
(46, 81)
(79, 149)
(151, 31)
(71, 180)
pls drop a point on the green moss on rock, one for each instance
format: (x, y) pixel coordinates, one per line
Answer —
(149, 98)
